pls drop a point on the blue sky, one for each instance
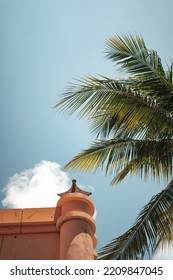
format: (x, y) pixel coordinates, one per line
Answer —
(44, 45)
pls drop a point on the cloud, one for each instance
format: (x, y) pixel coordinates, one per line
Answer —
(36, 187)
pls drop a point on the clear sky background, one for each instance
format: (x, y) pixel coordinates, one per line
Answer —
(44, 45)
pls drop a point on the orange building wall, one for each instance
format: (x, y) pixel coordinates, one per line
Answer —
(66, 231)
(28, 234)
(39, 246)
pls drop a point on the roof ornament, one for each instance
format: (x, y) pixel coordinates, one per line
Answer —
(74, 189)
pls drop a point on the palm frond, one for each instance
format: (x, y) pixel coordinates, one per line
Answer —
(153, 225)
(115, 104)
(123, 156)
(131, 53)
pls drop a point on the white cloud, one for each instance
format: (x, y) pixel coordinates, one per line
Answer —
(36, 187)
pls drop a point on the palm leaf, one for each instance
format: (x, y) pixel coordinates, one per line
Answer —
(131, 53)
(116, 105)
(153, 225)
(123, 156)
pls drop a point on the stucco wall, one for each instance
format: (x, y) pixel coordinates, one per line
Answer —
(29, 234)
(66, 231)
(29, 246)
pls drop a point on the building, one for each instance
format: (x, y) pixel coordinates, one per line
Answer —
(66, 231)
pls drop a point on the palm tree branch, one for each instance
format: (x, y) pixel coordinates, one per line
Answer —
(122, 156)
(132, 54)
(97, 97)
(153, 223)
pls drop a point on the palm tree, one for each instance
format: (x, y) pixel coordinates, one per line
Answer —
(132, 119)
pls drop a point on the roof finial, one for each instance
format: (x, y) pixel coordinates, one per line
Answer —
(75, 189)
